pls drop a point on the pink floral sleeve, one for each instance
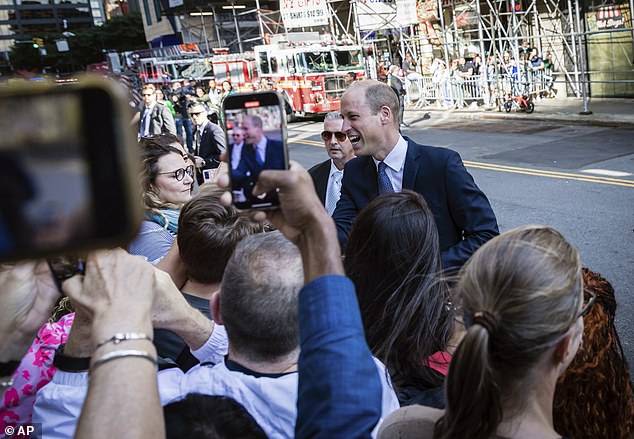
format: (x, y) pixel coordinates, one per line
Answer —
(35, 371)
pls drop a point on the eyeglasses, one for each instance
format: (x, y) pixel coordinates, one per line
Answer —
(179, 174)
(327, 135)
(195, 113)
(588, 305)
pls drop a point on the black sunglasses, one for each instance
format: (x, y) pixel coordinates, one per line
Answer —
(327, 135)
(179, 174)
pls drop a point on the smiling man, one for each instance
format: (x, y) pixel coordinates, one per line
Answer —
(388, 162)
(327, 175)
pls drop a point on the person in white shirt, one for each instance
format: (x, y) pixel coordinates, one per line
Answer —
(258, 306)
(327, 175)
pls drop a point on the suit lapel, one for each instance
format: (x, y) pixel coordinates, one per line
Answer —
(412, 166)
(371, 184)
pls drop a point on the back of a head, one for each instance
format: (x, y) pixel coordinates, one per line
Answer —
(520, 294)
(393, 258)
(208, 232)
(259, 294)
(209, 417)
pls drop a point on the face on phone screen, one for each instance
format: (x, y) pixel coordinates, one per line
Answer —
(255, 134)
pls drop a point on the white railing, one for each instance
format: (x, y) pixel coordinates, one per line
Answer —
(457, 92)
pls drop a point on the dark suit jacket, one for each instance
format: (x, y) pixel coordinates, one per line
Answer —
(320, 174)
(161, 119)
(244, 177)
(463, 214)
(212, 143)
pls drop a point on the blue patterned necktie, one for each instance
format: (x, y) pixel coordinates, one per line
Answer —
(385, 185)
(334, 192)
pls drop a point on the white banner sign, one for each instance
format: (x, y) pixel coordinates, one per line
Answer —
(304, 13)
(386, 14)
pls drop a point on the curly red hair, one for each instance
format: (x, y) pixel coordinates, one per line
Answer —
(594, 397)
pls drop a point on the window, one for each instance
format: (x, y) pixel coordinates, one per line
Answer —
(263, 63)
(146, 10)
(157, 10)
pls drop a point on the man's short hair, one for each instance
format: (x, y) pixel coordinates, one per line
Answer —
(258, 297)
(333, 115)
(255, 120)
(208, 232)
(149, 87)
(377, 95)
(205, 416)
(194, 104)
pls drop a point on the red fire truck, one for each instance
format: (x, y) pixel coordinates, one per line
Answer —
(309, 75)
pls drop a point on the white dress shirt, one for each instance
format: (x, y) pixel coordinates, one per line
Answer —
(395, 162)
(329, 201)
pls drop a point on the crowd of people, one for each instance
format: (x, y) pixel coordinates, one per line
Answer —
(379, 300)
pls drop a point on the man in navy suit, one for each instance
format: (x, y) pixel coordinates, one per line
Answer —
(256, 153)
(209, 141)
(387, 162)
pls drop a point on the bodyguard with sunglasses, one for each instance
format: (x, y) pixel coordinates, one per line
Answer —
(209, 141)
(327, 176)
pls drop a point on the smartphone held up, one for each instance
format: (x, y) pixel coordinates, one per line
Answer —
(69, 167)
(255, 124)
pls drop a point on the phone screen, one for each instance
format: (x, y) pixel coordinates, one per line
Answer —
(255, 127)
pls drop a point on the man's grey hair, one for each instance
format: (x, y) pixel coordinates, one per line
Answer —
(255, 120)
(259, 297)
(333, 115)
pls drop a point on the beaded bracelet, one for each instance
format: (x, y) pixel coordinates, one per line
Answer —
(124, 336)
(125, 353)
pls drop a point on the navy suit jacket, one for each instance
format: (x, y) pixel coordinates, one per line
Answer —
(245, 178)
(463, 214)
(320, 173)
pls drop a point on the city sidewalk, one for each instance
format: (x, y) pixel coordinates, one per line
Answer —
(605, 112)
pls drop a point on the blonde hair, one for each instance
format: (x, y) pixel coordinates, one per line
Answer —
(520, 294)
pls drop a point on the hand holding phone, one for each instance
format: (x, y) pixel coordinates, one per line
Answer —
(256, 135)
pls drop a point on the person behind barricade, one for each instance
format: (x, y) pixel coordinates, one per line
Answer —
(521, 295)
(393, 258)
(396, 84)
(258, 306)
(227, 89)
(167, 185)
(160, 98)
(549, 75)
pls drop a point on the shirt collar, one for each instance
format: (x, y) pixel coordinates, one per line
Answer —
(395, 160)
(262, 143)
(333, 168)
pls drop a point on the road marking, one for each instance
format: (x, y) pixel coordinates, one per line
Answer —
(519, 170)
(607, 172)
(550, 174)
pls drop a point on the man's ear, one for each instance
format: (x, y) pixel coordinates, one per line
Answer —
(386, 114)
(214, 307)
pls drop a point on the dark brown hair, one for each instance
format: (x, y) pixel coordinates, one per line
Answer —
(393, 258)
(208, 232)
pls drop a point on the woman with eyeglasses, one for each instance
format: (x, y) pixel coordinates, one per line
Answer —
(167, 185)
(521, 297)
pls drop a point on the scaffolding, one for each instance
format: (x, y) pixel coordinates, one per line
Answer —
(567, 29)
